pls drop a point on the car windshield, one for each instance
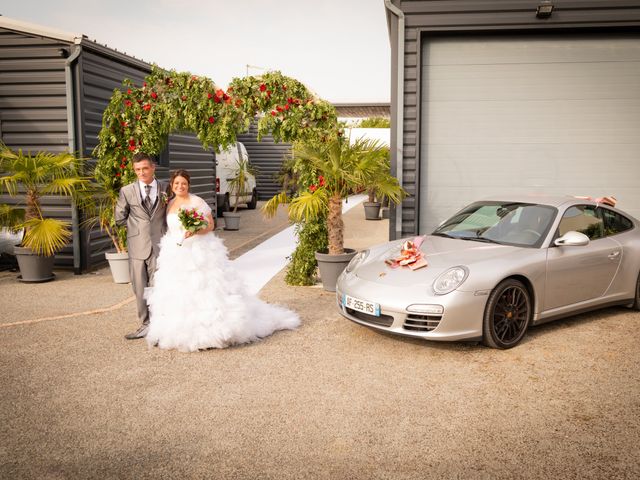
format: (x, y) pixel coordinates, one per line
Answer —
(520, 224)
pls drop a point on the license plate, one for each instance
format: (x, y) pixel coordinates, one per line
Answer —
(363, 306)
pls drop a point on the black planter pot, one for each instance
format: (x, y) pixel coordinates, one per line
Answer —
(331, 266)
(33, 268)
(372, 210)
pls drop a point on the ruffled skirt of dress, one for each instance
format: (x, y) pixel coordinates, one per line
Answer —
(198, 300)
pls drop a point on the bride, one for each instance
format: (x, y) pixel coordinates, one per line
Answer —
(198, 300)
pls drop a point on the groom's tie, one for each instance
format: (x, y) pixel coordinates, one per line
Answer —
(147, 199)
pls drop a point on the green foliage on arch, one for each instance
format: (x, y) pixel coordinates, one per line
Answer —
(141, 118)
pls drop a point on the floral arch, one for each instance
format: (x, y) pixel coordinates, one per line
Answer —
(141, 118)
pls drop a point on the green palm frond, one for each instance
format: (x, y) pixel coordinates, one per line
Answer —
(270, 208)
(11, 217)
(43, 173)
(68, 186)
(309, 206)
(46, 236)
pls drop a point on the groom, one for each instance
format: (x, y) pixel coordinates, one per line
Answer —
(142, 207)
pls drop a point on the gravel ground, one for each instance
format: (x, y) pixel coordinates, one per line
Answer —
(330, 400)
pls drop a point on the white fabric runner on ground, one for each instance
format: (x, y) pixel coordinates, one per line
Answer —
(263, 262)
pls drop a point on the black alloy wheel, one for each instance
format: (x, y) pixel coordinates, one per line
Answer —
(254, 200)
(507, 315)
(225, 207)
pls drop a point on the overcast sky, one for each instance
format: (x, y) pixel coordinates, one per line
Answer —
(338, 48)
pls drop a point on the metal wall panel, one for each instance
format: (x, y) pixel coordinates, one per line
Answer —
(267, 156)
(33, 112)
(424, 18)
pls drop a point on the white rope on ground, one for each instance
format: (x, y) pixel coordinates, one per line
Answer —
(71, 315)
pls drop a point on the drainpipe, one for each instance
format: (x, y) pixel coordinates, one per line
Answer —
(73, 146)
(399, 109)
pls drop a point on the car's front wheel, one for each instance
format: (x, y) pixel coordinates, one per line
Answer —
(507, 314)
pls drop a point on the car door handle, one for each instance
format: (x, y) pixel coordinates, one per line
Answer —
(613, 255)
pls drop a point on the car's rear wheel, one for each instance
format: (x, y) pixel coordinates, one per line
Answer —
(225, 206)
(254, 200)
(507, 315)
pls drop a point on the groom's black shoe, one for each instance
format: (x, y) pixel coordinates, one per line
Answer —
(140, 333)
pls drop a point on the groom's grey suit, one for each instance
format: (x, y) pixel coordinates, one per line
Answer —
(144, 231)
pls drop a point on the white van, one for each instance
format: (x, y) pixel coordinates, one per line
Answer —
(226, 163)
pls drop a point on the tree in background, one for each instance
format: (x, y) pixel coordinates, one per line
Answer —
(374, 122)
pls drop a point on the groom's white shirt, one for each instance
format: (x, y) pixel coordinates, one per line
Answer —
(153, 193)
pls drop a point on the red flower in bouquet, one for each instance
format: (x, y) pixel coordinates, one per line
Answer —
(192, 221)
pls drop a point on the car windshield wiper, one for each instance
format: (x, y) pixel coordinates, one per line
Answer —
(442, 234)
(480, 239)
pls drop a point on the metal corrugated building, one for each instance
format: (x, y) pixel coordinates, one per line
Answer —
(267, 156)
(512, 96)
(54, 87)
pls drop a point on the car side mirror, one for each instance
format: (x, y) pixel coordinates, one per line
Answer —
(572, 239)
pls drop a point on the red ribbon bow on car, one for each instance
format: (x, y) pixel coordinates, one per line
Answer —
(410, 255)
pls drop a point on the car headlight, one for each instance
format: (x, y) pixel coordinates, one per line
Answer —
(450, 280)
(357, 260)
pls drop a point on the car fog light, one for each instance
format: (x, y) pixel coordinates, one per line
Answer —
(450, 280)
(426, 309)
(357, 260)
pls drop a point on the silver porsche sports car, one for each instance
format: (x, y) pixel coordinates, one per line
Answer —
(496, 267)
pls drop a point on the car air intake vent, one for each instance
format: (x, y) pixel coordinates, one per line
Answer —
(421, 323)
(382, 320)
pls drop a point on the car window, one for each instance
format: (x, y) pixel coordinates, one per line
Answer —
(584, 219)
(519, 224)
(614, 222)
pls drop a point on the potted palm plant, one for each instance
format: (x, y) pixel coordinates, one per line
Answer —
(105, 218)
(28, 178)
(379, 177)
(341, 168)
(239, 184)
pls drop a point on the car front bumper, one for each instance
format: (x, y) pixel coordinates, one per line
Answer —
(461, 318)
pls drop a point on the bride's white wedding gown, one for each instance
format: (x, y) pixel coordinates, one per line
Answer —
(199, 301)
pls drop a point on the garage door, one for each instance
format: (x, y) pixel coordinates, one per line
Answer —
(531, 114)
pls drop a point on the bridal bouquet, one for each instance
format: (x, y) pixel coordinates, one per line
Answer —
(192, 221)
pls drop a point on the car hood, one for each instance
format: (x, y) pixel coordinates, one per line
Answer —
(440, 253)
